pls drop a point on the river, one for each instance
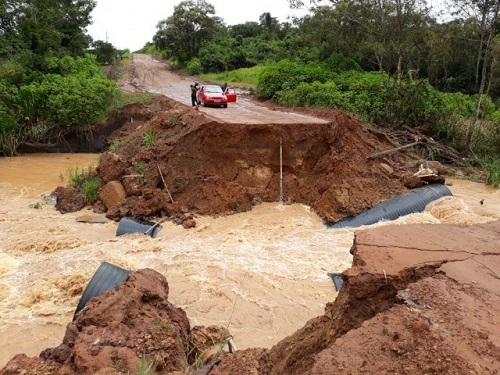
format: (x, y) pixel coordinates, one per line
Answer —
(262, 274)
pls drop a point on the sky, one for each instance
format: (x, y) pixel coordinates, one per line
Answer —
(131, 24)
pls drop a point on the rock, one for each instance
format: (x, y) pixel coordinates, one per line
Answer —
(111, 167)
(112, 194)
(91, 219)
(435, 166)
(68, 200)
(189, 223)
(208, 342)
(412, 182)
(387, 167)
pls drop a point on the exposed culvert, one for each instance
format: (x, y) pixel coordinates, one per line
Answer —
(105, 278)
(414, 201)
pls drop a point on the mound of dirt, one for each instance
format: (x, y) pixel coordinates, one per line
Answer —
(174, 161)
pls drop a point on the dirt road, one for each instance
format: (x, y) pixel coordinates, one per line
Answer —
(151, 75)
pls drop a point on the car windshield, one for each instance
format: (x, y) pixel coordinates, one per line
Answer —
(213, 89)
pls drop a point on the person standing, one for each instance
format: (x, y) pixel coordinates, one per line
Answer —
(194, 91)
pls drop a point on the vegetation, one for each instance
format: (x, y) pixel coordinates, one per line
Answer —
(241, 76)
(49, 84)
(86, 181)
(145, 367)
(149, 138)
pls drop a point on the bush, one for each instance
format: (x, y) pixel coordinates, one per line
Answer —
(493, 169)
(79, 97)
(361, 93)
(194, 66)
(288, 75)
(339, 63)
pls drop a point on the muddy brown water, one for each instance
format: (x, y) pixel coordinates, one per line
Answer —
(262, 274)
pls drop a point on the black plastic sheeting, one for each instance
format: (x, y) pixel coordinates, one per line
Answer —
(105, 278)
(129, 225)
(414, 201)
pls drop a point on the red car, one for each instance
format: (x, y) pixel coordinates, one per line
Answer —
(212, 95)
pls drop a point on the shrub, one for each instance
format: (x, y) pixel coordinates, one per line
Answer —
(90, 189)
(287, 75)
(493, 170)
(194, 66)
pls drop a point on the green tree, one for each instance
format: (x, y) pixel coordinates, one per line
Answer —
(270, 26)
(54, 27)
(105, 52)
(192, 25)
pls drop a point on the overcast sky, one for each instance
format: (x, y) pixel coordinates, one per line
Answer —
(131, 24)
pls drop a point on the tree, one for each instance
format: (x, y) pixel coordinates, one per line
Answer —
(192, 25)
(105, 52)
(489, 24)
(246, 30)
(270, 26)
(55, 26)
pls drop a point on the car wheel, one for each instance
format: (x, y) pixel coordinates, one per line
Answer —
(224, 106)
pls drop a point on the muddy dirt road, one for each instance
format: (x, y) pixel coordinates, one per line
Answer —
(151, 75)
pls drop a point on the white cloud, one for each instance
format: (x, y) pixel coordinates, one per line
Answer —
(131, 24)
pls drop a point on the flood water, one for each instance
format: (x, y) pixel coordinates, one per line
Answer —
(262, 274)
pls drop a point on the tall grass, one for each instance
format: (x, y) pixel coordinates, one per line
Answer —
(244, 75)
(86, 181)
(149, 138)
(493, 170)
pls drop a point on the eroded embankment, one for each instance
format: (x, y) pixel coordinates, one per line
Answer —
(170, 160)
(419, 299)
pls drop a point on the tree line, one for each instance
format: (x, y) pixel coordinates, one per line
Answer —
(459, 52)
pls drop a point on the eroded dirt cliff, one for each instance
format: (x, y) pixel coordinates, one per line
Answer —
(176, 162)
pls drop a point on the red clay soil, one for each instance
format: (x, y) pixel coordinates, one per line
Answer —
(174, 161)
(419, 299)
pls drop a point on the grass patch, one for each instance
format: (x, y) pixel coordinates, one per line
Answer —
(149, 138)
(175, 119)
(137, 97)
(118, 143)
(86, 181)
(139, 167)
(241, 76)
(90, 189)
(145, 367)
(77, 176)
